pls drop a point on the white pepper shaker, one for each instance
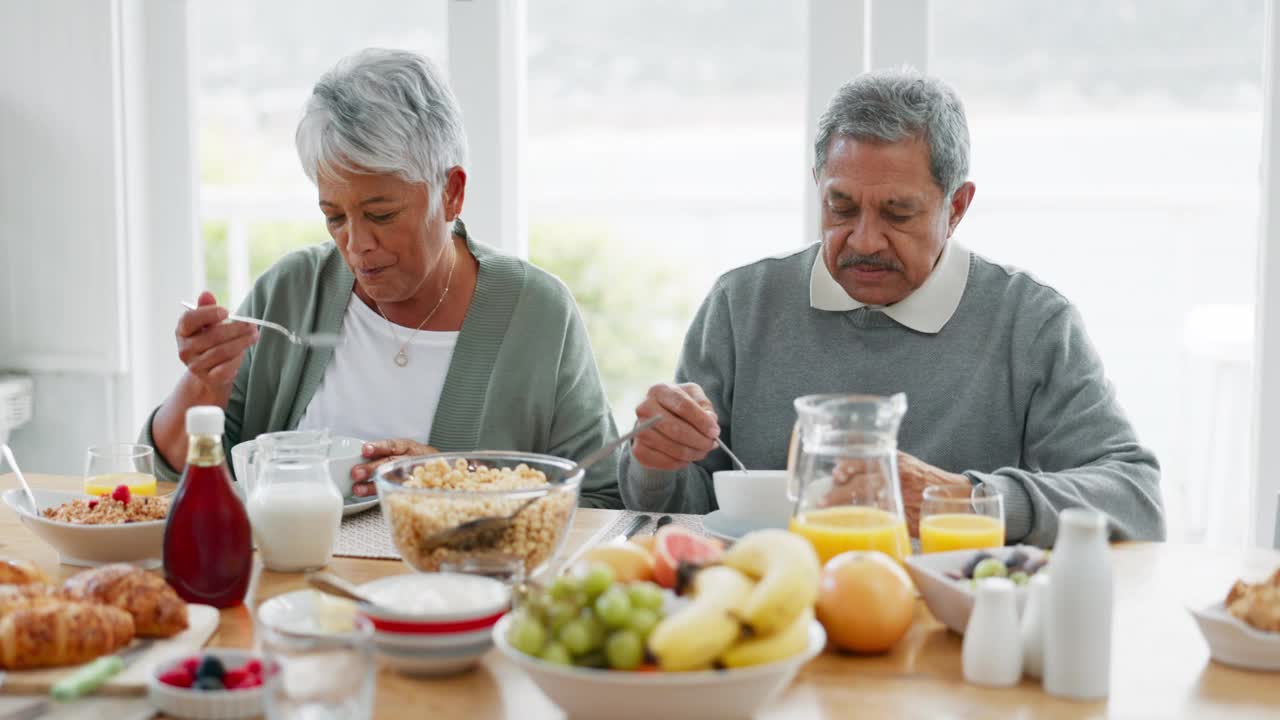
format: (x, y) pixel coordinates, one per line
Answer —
(1078, 608)
(992, 651)
(1033, 625)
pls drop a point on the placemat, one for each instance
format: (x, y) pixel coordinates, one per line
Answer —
(365, 535)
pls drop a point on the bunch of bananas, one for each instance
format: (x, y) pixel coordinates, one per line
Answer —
(754, 607)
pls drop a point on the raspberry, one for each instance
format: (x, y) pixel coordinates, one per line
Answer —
(178, 677)
(233, 678)
(121, 493)
(254, 667)
(190, 665)
(93, 504)
(249, 682)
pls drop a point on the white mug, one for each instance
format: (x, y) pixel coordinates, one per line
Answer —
(758, 497)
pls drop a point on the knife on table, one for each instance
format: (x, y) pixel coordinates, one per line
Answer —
(92, 676)
(637, 522)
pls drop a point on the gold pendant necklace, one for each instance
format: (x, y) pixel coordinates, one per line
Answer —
(402, 355)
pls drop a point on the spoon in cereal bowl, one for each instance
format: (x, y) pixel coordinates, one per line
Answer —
(8, 457)
(481, 529)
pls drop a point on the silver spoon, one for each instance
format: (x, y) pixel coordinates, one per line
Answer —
(330, 584)
(736, 462)
(487, 529)
(326, 340)
(8, 457)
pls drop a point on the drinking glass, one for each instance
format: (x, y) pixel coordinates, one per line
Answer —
(954, 517)
(319, 677)
(109, 466)
(843, 474)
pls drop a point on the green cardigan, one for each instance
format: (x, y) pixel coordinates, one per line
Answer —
(522, 376)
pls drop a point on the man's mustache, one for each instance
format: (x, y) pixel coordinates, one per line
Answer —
(868, 261)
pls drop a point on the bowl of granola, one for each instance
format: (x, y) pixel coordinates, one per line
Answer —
(423, 496)
(88, 531)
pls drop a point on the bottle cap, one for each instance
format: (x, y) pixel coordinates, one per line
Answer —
(204, 420)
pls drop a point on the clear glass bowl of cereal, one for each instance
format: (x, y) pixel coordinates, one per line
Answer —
(421, 496)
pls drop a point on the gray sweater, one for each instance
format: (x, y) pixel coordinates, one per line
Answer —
(1010, 392)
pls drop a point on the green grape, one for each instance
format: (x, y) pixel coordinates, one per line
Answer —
(646, 595)
(991, 567)
(642, 622)
(563, 588)
(527, 635)
(614, 607)
(624, 650)
(558, 614)
(575, 636)
(594, 626)
(597, 580)
(556, 653)
(593, 659)
(1020, 578)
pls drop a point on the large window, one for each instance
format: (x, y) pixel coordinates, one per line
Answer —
(666, 141)
(1115, 149)
(257, 64)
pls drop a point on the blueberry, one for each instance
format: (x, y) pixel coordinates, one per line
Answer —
(1015, 560)
(208, 683)
(1034, 566)
(211, 667)
(973, 563)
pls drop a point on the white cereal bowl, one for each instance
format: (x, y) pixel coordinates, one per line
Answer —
(435, 603)
(755, 496)
(704, 695)
(206, 704)
(141, 543)
(1234, 642)
(432, 662)
(949, 600)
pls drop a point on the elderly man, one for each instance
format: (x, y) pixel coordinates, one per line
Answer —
(1003, 383)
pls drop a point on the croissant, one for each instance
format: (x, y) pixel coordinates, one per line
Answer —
(21, 572)
(61, 633)
(156, 608)
(18, 597)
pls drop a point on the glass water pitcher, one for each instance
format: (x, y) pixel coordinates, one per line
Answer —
(842, 474)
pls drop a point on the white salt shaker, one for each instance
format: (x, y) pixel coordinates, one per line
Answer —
(1078, 606)
(992, 651)
(1033, 625)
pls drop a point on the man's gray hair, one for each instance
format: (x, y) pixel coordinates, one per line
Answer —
(894, 105)
(383, 111)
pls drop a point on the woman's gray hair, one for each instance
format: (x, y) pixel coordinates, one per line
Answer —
(894, 105)
(383, 111)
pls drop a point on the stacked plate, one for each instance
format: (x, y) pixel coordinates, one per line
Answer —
(434, 623)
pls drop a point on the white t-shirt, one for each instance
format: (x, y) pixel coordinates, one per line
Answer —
(365, 394)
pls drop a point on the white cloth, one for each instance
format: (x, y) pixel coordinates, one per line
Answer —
(364, 394)
(926, 310)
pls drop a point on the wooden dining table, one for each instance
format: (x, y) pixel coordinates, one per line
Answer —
(1160, 664)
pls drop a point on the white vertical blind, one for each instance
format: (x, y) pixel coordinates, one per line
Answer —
(1266, 424)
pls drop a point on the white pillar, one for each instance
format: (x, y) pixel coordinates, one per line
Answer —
(487, 69)
(899, 32)
(1266, 407)
(835, 52)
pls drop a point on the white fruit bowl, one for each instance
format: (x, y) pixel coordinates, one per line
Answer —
(1234, 642)
(951, 601)
(88, 545)
(705, 695)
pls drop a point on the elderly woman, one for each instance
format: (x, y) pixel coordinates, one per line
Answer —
(444, 343)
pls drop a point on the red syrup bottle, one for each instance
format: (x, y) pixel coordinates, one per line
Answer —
(208, 547)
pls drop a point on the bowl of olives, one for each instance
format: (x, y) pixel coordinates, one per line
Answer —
(947, 580)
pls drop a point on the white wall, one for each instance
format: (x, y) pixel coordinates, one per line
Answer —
(92, 180)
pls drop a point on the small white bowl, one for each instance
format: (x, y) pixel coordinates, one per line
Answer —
(619, 695)
(422, 643)
(1234, 642)
(951, 601)
(758, 497)
(422, 602)
(140, 543)
(206, 704)
(433, 662)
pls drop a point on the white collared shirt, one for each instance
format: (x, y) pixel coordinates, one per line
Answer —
(927, 309)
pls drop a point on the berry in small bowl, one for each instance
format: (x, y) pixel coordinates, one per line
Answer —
(214, 685)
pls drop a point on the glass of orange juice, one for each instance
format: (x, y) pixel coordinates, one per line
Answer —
(110, 466)
(843, 474)
(954, 517)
